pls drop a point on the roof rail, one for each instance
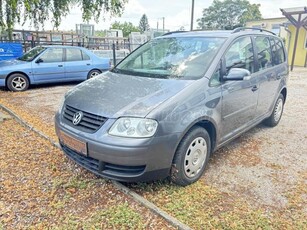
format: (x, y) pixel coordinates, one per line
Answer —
(251, 28)
(174, 32)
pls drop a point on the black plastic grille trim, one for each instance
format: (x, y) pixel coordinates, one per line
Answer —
(103, 168)
(90, 122)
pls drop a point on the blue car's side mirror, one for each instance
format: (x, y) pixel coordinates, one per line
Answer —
(39, 61)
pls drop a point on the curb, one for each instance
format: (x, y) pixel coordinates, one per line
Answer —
(136, 197)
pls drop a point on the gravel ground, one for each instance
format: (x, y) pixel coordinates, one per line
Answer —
(264, 169)
(41, 189)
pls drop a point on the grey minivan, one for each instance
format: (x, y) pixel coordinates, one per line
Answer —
(171, 103)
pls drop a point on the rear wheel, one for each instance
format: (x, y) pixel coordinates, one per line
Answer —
(191, 157)
(275, 117)
(18, 82)
(93, 73)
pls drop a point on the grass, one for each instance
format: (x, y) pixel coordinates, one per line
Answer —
(204, 207)
(115, 217)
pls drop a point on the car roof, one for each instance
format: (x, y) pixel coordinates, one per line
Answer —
(60, 46)
(218, 33)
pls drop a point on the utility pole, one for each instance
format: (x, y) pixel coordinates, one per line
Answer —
(163, 19)
(192, 15)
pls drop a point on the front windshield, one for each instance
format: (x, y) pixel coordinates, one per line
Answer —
(186, 58)
(32, 54)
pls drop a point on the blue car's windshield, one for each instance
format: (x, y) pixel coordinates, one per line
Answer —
(31, 54)
(186, 58)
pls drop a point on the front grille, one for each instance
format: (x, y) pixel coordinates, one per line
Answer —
(103, 168)
(90, 122)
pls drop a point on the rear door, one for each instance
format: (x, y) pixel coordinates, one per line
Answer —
(270, 69)
(49, 66)
(77, 64)
(239, 98)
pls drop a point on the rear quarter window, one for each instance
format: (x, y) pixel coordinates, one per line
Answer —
(278, 52)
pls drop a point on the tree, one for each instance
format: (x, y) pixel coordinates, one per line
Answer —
(144, 25)
(38, 11)
(228, 14)
(126, 27)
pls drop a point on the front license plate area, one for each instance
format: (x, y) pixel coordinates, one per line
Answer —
(73, 143)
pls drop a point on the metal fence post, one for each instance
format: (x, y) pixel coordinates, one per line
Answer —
(114, 54)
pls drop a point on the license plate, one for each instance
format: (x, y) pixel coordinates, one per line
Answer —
(73, 143)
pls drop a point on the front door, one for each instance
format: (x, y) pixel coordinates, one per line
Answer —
(49, 66)
(239, 98)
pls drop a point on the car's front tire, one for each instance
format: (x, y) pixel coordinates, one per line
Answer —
(18, 82)
(275, 117)
(191, 157)
(93, 73)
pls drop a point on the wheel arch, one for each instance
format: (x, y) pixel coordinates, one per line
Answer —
(284, 93)
(20, 72)
(208, 124)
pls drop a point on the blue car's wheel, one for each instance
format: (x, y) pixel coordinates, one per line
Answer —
(17, 82)
(93, 73)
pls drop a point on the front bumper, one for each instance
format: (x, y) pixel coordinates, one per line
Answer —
(122, 159)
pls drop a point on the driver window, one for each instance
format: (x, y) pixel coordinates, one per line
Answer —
(52, 55)
(240, 55)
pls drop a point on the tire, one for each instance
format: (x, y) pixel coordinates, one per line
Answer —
(189, 161)
(276, 115)
(18, 82)
(93, 73)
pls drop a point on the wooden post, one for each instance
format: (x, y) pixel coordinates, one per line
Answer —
(298, 26)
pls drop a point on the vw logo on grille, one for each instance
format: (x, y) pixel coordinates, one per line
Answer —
(77, 118)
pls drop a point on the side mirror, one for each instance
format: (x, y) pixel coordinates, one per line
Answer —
(39, 61)
(237, 74)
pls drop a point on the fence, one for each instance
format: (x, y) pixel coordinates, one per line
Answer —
(118, 47)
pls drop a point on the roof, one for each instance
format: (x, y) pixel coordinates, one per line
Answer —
(200, 33)
(295, 14)
(216, 33)
(60, 46)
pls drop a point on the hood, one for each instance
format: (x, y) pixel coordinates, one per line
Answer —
(11, 62)
(114, 95)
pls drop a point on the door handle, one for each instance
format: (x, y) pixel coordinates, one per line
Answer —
(278, 76)
(255, 88)
(88, 64)
(60, 65)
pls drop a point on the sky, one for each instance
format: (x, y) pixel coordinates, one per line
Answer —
(177, 13)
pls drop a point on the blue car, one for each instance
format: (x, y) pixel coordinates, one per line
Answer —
(47, 64)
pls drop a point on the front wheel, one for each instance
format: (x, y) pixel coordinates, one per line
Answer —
(17, 82)
(275, 117)
(191, 157)
(93, 73)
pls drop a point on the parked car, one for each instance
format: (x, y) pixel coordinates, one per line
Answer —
(46, 64)
(171, 103)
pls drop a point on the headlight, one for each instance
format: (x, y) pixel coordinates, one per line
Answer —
(134, 127)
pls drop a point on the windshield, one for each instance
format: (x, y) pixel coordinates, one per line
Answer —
(31, 54)
(186, 58)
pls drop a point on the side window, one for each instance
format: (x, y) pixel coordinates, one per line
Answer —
(263, 52)
(73, 54)
(52, 55)
(240, 55)
(85, 56)
(277, 51)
